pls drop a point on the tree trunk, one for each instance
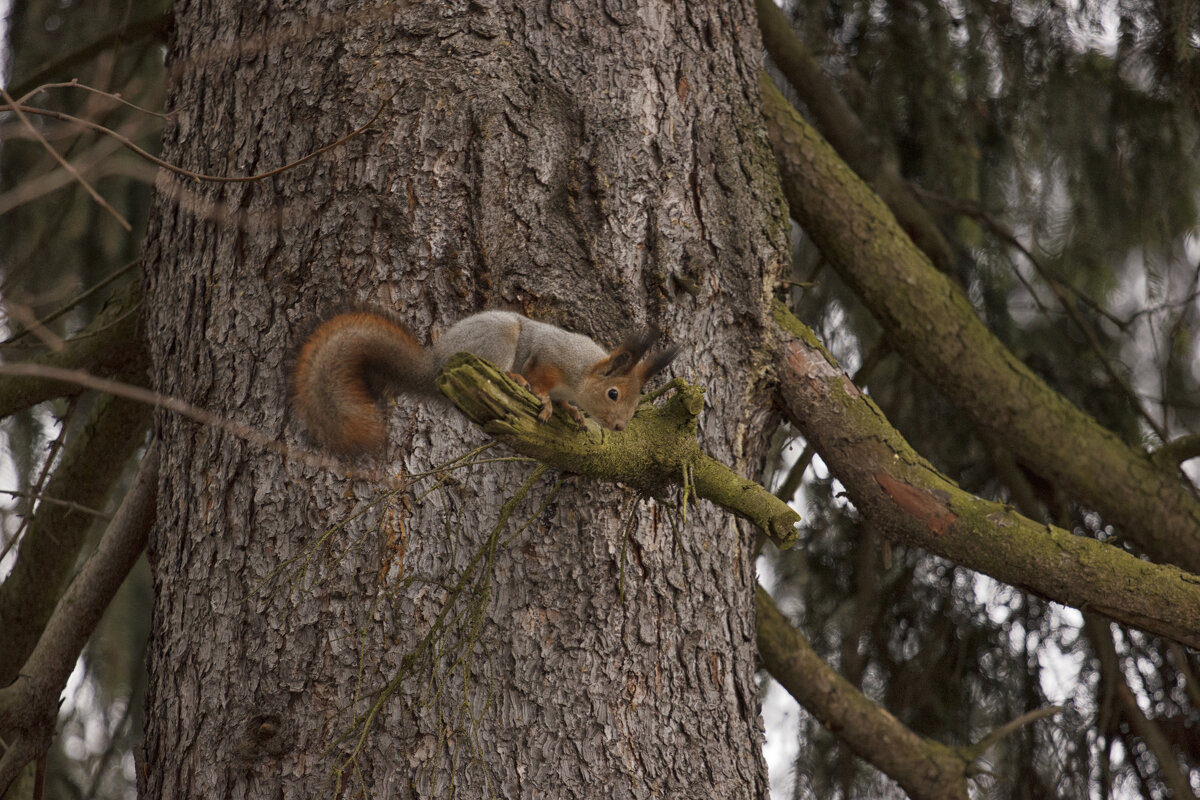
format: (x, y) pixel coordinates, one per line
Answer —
(488, 629)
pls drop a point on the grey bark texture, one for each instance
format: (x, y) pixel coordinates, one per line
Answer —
(597, 165)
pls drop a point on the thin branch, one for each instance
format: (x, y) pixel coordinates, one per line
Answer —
(986, 218)
(97, 161)
(59, 115)
(973, 752)
(1173, 777)
(20, 112)
(180, 407)
(23, 315)
(1191, 684)
(115, 96)
(86, 472)
(1057, 288)
(110, 346)
(791, 482)
(74, 301)
(43, 474)
(54, 501)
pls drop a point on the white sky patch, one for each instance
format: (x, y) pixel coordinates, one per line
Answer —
(781, 718)
(5, 12)
(780, 712)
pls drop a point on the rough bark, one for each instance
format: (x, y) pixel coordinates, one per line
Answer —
(489, 629)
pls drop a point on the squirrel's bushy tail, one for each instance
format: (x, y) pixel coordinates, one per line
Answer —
(345, 371)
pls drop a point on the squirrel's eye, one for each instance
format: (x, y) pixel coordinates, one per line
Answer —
(614, 394)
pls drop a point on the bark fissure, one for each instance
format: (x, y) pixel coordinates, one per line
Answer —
(519, 162)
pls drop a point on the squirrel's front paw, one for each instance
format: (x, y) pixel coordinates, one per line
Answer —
(547, 408)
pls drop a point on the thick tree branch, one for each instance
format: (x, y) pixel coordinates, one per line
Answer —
(1177, 451)
(658, 447)
(923, 767)
(931, 323)
(29, 705)
(90, 466)
(908, 500)
(861, 149)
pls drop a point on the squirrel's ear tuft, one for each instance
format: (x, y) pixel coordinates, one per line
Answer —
(628, 357)
(638, 343)
(623, 359)
(658, 363)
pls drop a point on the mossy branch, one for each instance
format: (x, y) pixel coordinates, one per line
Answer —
(657, 448)
(923, 767)
(931, 323)
(908, 500)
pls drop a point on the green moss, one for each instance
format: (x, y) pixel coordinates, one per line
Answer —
(656, 449)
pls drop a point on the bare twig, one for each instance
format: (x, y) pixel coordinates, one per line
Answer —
(96, 162)
(43, 476)
(22, 314)
(1112, 676)
(1059, 289)
(973, 752)
(19, 110)
(183, 409)
(75, 84)
(26, 109)
(75, 300)
(54, 501)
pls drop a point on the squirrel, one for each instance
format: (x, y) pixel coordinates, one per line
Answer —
(352, 362)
